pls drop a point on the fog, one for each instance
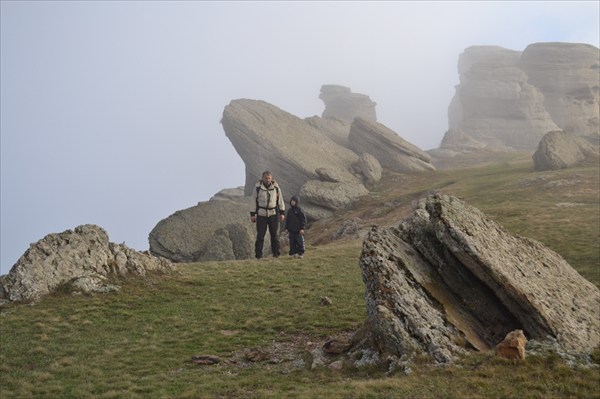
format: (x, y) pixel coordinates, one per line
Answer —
(110, 110)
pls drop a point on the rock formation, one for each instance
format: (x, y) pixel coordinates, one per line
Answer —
(308, 157)
(83, 258)
(559, 150)
(567, 74)
(509, 98)
(391, 150)
(193, 234)
(342, 104)
(368, 167)
(336, 129)
(448, 279)
(268, 138)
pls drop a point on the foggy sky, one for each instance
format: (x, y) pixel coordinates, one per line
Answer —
(110, 110)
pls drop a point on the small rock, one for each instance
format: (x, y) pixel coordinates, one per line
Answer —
(256, 355)
(513, 346)
(336, 345)
(325, 301)
(206, 360)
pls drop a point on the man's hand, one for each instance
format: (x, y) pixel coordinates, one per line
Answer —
(301, 232)
(281, 217)
(253, 219)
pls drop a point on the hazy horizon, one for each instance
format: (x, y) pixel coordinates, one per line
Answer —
(110, 110)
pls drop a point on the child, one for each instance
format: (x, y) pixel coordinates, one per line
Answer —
(294, 226)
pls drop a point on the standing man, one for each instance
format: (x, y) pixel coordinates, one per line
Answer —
(270, 209)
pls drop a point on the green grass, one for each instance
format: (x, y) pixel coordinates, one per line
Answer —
(138, 342)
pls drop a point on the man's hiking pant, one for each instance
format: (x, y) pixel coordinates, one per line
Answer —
(262, 223)
(296, 243)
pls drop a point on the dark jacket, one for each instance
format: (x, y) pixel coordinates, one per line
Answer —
(295, 220)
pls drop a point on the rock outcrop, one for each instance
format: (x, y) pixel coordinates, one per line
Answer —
(508, 98)
(567, 74)
(494, 102)
(83, 258)
(448, 279)
(194, 234)
(391, 150)
(342, 104)
(268, 138)
(560, 150)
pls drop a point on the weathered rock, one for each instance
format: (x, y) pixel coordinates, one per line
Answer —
(560, 150)
(498, 106)
(391, 150)
(508, 98)
(415, 276)
(336, 345)
(368, 167)
(83, 257)
(331, 195)
(336, 129)
(567, 74)
(229, 194)
(268, 138)
(457, 140)
(218, 247)
(328, 175)
(348, 228)
(190, 235)
(341, 103)
(512, 346)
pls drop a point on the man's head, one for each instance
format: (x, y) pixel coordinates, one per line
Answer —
(267, 178)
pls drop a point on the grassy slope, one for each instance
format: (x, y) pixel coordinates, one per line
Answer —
(138, 343)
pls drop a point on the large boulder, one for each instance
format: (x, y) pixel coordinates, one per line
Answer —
(560, 150)
(192, 234)
(368, 167)
(448, 279)
(82, 257)
(268, 138)
(341, 103)
(391, 150)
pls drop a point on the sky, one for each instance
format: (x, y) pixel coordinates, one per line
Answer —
(110, 110)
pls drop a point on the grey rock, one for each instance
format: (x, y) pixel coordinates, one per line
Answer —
(336, 129)
(316, 212)
(511, 99)
(185, 235)
(416, 273)
(368, 167)
(567, 74)
(228, 194)
(329, 175)
(459, 141)
(83, 257)
(332, 195)
(348, 228)
(560, 150)
(218, 247)
(268, 138)
(341, 103)
(391, 150)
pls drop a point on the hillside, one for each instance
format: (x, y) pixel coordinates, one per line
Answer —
(262, 318)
